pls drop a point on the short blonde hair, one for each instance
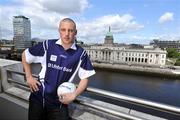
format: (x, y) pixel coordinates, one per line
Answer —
(68, 20)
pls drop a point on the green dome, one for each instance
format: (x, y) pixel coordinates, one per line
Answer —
(109, 33)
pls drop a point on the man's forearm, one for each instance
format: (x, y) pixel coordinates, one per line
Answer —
(26, 66)
(81, 87)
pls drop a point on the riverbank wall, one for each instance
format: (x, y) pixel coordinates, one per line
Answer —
(141, 70)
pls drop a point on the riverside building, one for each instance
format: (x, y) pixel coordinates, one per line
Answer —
(109, 52)
(166, 44)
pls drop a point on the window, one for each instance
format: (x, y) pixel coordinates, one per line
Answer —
(96, 54)
(146, 60)
(135, 59)
(142, 60)
(162, 56)
(118, 56)
(126, 58)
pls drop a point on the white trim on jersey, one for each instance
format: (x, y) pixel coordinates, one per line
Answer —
(80, 60)
(43, 65)
(85, 73)
(37, 59)
(31, 58)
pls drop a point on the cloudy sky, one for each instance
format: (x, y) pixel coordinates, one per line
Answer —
(131, 21)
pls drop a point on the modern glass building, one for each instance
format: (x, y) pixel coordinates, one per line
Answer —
(22, 32)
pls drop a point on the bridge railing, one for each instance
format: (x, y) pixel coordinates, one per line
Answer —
(111, 95)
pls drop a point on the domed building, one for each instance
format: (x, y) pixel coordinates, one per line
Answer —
(109, 40)
(110, 52)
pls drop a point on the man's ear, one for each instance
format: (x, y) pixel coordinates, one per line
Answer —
(75, 32)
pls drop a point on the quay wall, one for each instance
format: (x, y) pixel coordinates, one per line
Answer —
(142, 70)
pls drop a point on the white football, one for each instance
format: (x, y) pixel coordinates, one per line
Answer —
(66, 87)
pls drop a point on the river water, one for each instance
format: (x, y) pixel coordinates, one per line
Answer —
(149, 87)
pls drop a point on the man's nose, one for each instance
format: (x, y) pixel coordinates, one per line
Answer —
(66, 32)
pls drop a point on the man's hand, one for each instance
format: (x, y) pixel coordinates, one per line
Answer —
(67, 98)
(33, 84)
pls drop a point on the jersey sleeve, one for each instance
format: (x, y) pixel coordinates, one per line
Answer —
(86, 69)
(36, 54)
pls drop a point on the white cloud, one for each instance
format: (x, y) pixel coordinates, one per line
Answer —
(135, 39)
(166, 37)
(44, 15)
(170, 36)
(65, 6)
(44, 19)
(58, 6)
(6, 21)
(96, 29)
(166, 17)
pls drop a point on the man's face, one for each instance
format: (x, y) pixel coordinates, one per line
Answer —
(67, 32)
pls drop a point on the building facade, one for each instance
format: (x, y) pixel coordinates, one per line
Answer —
(118, 54)
(22, 32)
(166, 44)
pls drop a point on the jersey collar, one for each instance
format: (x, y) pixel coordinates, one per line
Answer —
(72, 47)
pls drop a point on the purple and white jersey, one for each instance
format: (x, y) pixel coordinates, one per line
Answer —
(58, 66)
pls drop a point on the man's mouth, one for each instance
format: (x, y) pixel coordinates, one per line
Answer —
(66, 38)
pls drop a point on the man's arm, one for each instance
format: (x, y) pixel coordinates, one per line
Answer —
(69, 97)
(33, 84)
(81, 87)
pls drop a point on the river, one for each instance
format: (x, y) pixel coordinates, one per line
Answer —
(149, 87)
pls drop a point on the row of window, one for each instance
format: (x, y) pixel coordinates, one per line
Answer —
(122, 54)
(139, 60)
(127, 56)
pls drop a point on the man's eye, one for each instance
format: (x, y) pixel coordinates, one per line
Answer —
(62, 30)
(71, 30)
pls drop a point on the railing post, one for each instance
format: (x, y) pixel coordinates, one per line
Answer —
(5, 64)
(3, 82)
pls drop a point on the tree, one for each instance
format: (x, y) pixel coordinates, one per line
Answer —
(173, 53)
(177, 63)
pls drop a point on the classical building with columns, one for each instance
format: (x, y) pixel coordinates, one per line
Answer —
(109, 52)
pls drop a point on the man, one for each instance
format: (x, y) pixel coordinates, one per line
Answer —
(60, 59)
